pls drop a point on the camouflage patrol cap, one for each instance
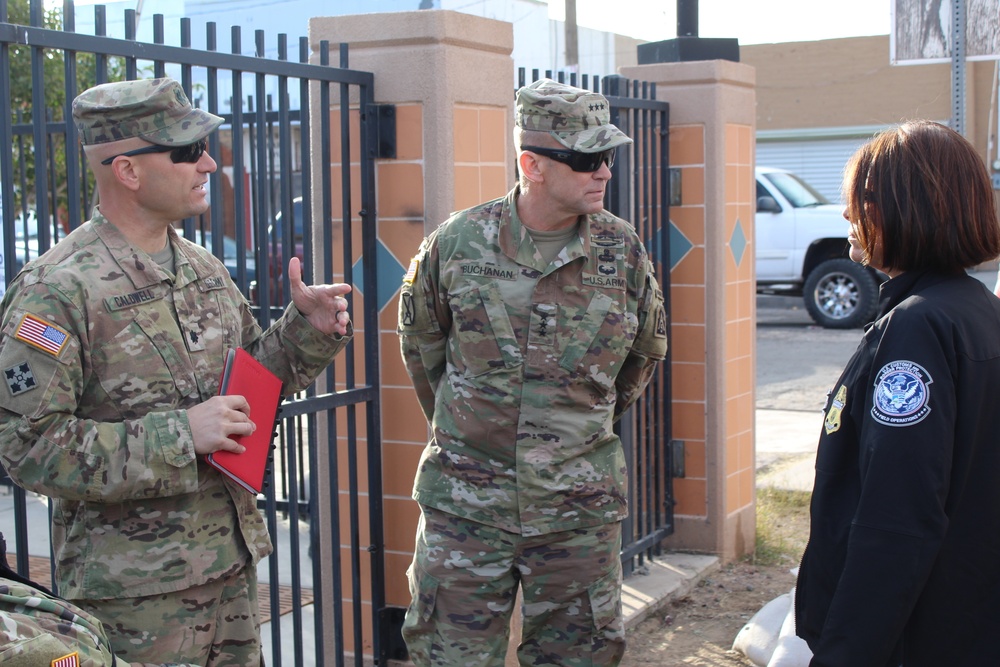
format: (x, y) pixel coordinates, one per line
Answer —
(577, 118)
(156, 110)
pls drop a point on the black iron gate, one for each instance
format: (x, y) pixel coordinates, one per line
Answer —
(264, 198)
(638, 192)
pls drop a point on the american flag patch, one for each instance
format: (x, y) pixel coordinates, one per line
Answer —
(411, 272)
(71, 660)
(37, 332)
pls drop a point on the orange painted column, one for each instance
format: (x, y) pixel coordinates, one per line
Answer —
(713, 301)
(451, 78)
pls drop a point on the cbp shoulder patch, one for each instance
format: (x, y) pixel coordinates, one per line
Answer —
(902, 394)
(38, 333)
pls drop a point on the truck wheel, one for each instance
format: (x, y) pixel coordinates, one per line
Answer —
(841, 294)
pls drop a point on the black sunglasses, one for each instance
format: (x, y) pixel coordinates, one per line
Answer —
(186, 153)
(577, 161)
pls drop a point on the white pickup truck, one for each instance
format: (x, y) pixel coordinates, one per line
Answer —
(801, 250)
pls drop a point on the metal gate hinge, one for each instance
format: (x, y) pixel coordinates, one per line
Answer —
(677, 458)
(384, 117)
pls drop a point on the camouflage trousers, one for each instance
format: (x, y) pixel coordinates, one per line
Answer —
(214, 625)
(463, 584)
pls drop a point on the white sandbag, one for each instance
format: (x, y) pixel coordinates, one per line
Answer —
(791, 651)
(788, 625)
(758, 639)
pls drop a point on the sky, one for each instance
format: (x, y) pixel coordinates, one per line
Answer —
(749, 21)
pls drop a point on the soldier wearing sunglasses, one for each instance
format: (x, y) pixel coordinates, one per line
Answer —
(113, 343)
(528, 325)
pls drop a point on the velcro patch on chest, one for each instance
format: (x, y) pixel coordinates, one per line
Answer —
(132, 299)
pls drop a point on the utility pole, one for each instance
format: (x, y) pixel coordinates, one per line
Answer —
(687, 18)
(572, 42)
(958, 25)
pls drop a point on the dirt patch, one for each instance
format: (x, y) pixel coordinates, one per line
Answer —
(699, 628)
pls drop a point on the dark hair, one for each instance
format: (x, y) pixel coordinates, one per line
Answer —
(923, 193)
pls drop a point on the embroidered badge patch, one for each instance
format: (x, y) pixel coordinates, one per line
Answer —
(38, 333)
(832, 421)
(19, 379)
(607, 240)
(661, 324)
(902, 394)
(409, 308)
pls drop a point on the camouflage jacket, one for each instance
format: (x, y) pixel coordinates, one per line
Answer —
(101, 353)
(521, 367)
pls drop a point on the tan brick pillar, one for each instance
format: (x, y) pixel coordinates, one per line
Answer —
(713, 302)
(451, 77)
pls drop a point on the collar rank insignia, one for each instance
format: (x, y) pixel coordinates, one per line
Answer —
(41, 334)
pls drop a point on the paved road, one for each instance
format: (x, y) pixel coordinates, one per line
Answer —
(797, 360)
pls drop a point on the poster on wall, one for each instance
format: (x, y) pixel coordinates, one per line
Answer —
(921, 31)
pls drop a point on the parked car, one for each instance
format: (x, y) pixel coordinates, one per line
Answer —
(802, 250)
(230, 257)
(276, 248)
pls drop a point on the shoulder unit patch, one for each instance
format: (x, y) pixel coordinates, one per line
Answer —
(902, 394)
(19, 378)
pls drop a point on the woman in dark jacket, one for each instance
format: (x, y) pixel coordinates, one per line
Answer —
(903, 561)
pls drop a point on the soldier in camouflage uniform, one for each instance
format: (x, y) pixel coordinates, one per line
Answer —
(528, 325)
(112, 347)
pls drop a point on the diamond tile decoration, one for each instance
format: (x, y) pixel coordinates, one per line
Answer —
(390, 275)
(680, 246)
(738, 242)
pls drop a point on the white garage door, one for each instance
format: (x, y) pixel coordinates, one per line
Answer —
(820, 162)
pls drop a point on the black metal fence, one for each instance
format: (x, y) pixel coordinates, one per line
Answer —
(262, 208)
(638, 192)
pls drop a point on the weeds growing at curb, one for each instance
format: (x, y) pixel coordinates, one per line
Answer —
(782, 526)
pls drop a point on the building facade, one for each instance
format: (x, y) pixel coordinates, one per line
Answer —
(818, 101)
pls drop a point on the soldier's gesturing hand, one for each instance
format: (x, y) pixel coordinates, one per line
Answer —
(323, 305)
(214, 422)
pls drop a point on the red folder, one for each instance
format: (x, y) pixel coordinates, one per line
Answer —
(245, 376)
